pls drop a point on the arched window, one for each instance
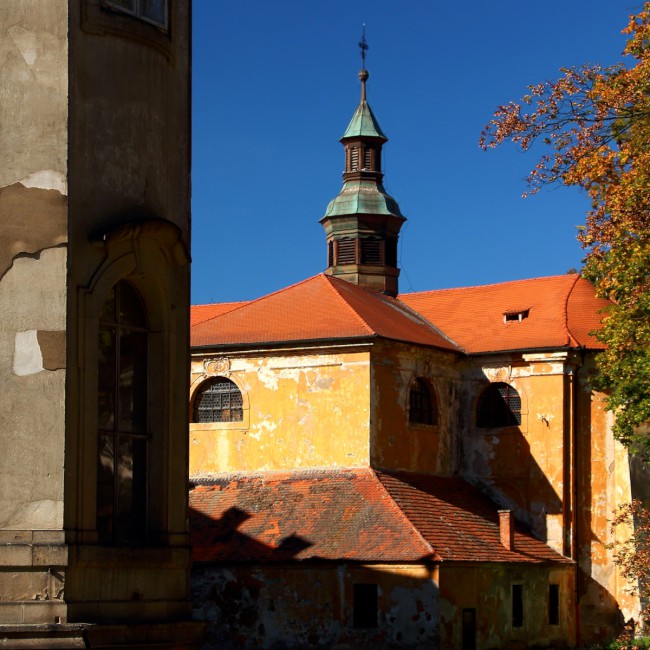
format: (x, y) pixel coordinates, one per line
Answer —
(218, 400)
(122, 417)
(499, 406)
(423, 405)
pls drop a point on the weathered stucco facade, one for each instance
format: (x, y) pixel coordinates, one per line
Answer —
(94, 204)
(292, 411)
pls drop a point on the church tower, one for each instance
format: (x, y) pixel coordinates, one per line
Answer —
(362, 223)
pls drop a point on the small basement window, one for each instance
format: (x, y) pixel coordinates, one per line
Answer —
(516, 315)
(554, 604)
(365, 606)
(517, 605)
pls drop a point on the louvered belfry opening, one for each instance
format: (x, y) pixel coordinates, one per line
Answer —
(362, 223)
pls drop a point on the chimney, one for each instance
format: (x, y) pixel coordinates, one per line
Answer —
(507, 529)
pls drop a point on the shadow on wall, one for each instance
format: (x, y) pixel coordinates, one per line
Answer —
(258, 595)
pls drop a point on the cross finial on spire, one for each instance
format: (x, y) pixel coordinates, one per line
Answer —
(363, 46)
(363, 75)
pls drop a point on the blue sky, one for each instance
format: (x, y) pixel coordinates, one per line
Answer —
(275, 85)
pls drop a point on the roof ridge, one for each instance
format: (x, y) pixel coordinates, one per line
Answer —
(207, 479)
(256, 300)
(573, 341)
(332, 282)
(493, 284)
(377, 472)
(213, 304)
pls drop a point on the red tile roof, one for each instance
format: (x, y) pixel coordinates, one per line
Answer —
(320, 308)
(562, 310)
(350, 514)
(459, 521)
(200, 313)
(300, 515)
(558, 312)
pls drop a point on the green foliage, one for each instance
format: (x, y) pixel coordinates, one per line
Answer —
(596, 123)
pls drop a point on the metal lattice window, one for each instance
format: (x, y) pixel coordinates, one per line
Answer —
(423, 406)
(499, 406)
(219, 400)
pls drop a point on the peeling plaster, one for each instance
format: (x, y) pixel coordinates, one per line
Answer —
(46, 179)
(27, 354)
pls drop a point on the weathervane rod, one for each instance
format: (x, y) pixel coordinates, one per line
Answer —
(363, 75)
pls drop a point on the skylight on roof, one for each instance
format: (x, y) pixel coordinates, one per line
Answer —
(517, 315)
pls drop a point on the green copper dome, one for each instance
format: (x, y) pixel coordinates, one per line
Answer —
(362, 197)
(364, 123)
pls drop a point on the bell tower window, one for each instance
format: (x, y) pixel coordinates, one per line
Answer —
(354, 159)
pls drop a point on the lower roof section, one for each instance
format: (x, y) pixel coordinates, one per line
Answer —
(358, 515)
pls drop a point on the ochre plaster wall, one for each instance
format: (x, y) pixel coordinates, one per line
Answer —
(299, 606)
(528, 466)
(395, 442)
(562, 459)
(300, 410)
(603, 480)
(487, 588)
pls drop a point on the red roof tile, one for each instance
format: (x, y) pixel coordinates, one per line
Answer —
(459, 521)
(562, 310)
(350, 514)
(558, 312)
(300, 515)
(320, 308)
(200, 313)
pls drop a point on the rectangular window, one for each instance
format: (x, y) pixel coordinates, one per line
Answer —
(517, 605)
(554, 604)
(365, 606)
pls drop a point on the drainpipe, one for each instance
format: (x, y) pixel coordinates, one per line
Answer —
(575, 546)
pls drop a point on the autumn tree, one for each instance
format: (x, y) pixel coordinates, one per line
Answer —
(595, 125)
(632, 555)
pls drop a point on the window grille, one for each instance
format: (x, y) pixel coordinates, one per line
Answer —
(219, 400)
(423, 405)
(330, 253)
(499, 406)
(346, 251)
(371, 251)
